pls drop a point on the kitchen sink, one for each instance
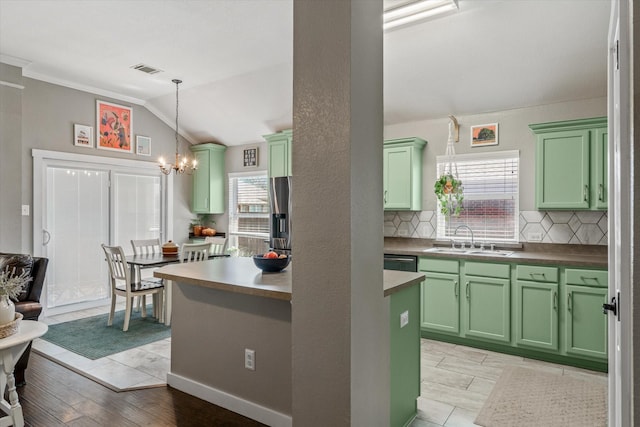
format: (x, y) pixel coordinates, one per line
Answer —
(469, 251)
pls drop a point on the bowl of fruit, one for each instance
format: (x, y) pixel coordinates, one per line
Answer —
(271, 262)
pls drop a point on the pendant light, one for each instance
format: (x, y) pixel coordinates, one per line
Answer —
(181, 165)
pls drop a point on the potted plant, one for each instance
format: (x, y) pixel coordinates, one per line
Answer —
(449, 192)
(11, 285)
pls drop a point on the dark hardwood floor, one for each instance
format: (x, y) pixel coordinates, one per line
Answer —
(56, 396)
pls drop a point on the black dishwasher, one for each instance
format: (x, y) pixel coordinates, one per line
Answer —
(401, 262)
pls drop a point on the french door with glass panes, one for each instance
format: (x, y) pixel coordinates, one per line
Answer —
(83, 206)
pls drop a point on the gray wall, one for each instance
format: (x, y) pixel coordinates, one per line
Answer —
(45, 121)
(11, 221)
(513, 134)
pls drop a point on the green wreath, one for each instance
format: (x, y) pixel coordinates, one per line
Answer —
(448, 190)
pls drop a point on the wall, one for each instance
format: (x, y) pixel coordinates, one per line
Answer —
(47, 117)
(11, 221)
(513, 134)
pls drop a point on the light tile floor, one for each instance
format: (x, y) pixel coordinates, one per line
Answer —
(455, 380)
(141, 367)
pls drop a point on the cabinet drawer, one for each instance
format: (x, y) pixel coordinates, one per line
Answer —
(438, 265)
(587, 277)
(486, 269)
(537, 273)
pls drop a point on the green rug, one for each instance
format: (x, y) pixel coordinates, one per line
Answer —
(92, 338)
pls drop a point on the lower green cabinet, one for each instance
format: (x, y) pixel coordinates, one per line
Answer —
(585, 325)
(440, 307)
(486, 308)
(405, 355)
(536, 314)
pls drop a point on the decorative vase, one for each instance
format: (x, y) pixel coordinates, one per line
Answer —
(7, 310)
(197, 230)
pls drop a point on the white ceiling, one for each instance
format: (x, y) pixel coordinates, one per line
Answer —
(235, 58)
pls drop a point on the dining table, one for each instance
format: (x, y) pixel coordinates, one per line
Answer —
(155, 260)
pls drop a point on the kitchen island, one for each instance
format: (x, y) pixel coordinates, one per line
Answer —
(228, 315)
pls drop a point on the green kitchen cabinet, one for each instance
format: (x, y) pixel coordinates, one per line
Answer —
(402, 174)
(536, 307)
(405, 355)
(486, 304)
(585, 324)
(571, 161)
(440, 294)
(279, 153)
(208, 179)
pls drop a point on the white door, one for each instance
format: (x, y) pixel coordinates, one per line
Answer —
(620, 216)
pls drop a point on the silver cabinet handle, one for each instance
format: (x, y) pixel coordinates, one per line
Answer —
(455, 288)
(586, 193)
(385, 197)
(533, 275)
(467, 290)
(555, 300)
(46, 237)
(569, 301)
(600, 193)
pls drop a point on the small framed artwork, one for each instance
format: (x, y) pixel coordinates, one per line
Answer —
(484, 135)
(83, 136)
(250, 157)
(114, 127)
(143, 145)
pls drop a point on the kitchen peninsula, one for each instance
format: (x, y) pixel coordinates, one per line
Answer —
(231, 337)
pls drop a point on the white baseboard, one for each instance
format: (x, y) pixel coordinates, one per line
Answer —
(228, 401)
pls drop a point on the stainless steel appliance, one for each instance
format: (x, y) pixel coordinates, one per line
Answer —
(280, 227)
(400, 262)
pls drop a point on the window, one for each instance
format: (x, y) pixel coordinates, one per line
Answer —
(248, 212)
(490, 205)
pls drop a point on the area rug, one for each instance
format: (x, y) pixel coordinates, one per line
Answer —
(523, 397)
(92, 338)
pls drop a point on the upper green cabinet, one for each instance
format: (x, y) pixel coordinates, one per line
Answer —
(279, 148)
(571, 164)
(402, 174)
(208, 179)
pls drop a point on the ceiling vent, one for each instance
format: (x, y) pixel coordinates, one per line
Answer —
(146, 69)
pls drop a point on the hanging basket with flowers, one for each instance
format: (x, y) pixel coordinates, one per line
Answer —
(449, 192)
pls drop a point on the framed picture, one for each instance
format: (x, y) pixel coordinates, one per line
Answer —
(143, 145)
(83, 136)
(114, 127)
(250, 157)
(484, 135)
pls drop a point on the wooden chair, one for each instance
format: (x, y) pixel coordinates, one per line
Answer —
(192, 252)
(122, 284)
(218, 245)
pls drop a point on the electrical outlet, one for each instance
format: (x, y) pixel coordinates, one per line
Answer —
(25, 210)
(250, 359)
(404, 319)
(534, 236)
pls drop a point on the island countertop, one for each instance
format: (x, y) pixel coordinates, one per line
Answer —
(240, 275)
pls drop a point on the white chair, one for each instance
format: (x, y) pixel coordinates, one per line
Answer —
(122, 284)
(218, 245)
(146, 247)
(192, 252)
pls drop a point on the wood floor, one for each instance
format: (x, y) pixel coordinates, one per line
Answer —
(56, 396)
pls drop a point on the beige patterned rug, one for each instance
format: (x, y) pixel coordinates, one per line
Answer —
(523, 397)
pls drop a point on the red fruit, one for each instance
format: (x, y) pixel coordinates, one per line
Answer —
(270, 255)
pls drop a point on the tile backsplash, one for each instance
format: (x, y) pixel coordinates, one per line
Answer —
(570, 227)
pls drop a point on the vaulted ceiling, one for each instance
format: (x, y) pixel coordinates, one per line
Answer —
(235, 58)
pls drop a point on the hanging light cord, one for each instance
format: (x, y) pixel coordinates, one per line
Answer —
(177, 82)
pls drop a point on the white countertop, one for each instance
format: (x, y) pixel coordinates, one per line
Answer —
(240, 275)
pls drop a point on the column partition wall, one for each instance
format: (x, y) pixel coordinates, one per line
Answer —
(81, 201)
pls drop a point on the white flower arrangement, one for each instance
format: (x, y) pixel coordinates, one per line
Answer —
(11, 284)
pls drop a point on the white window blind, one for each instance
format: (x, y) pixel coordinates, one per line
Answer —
(248, 212)
(490, 205)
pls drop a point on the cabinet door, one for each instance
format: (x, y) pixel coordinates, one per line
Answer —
(486, 312)
(600, 169)
(536, 314)
(586, 326)
(562, 170)
(279, 158)
(439, 294)
(397, 178)
(201, 183)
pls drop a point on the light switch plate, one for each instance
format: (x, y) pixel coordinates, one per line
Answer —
(25, 210)
(404, 319)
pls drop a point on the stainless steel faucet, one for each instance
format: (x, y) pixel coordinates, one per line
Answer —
(455, 233)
